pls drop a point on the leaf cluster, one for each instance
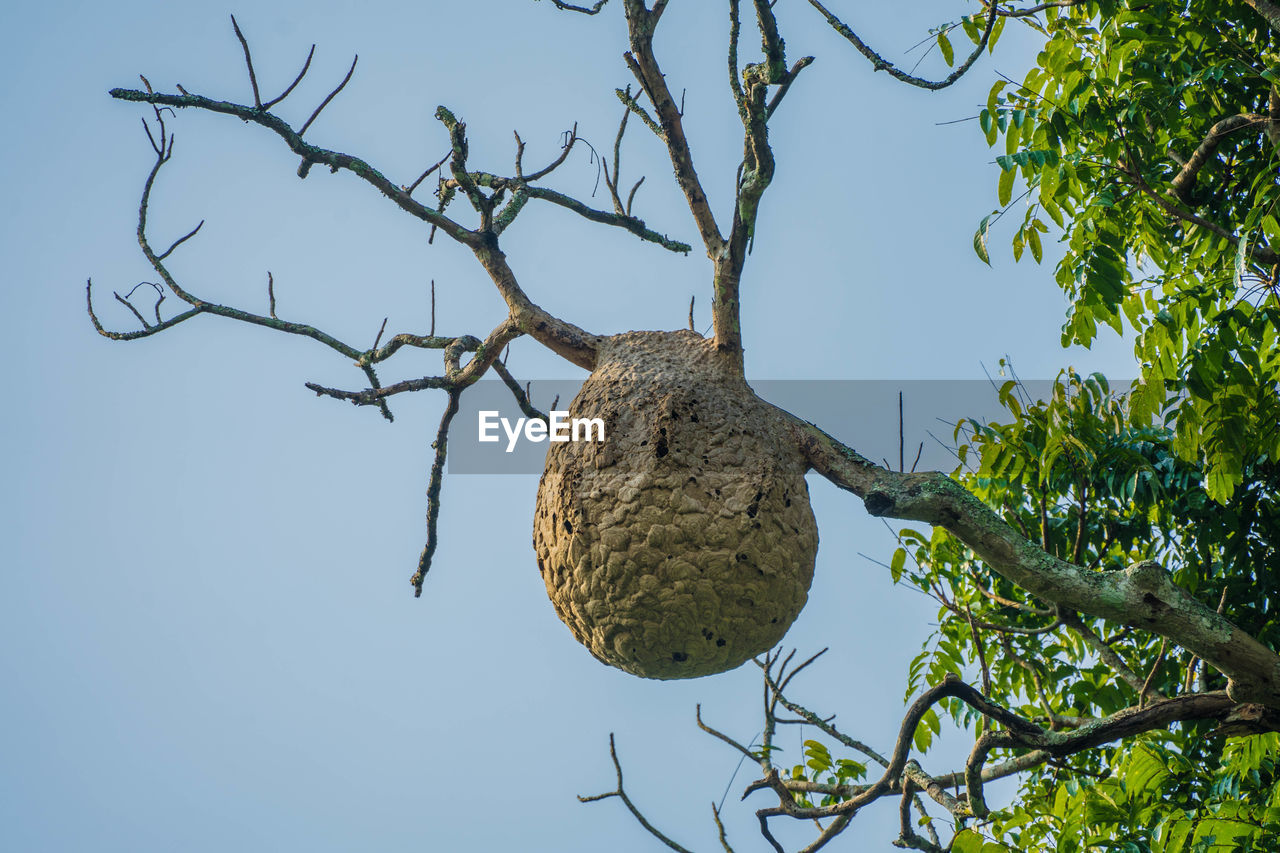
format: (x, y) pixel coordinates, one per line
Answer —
(1145, 138)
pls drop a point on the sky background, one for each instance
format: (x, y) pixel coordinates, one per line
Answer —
(207, 636)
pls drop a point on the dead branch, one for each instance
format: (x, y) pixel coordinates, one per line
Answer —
(564, 338)
(1032, 10)
(586, 10)
(328, 98)
(641, 23)
(296, 80)
(879, 63)
(434, 483)
(248, 61)
(621, 793)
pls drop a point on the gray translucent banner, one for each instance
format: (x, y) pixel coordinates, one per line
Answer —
(861, 413)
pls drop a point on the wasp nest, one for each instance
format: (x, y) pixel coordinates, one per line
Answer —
(683, 544)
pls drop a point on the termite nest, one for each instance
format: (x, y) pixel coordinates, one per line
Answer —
(683, 544)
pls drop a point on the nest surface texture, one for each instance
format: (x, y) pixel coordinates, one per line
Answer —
(683, 544)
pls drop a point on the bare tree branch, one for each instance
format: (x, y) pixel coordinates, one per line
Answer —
(521, 395)
(1142, 596)
(564, 338)
(296, 80)
(624, 221)
(306, 124)
(907, 836)
(621, 793)
(586, 10)
(309, 153)
(641, 23)
(434, 483)
(375, 395)
(1185, 179)
(248, 61)
(1032, 10)
(882, 64)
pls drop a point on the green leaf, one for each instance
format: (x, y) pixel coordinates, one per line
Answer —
(1005, 188)
(980, 239)
(996, 30)
(1033, 240)
(944, 44)
(967, 841)
(897, 563)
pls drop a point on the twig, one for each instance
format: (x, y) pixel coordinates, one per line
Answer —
(1146, 685)
(569, 7)
(441, 445)
(302, 131)
(413, 186)
(296, 80)
(620, 793)
(184, 238)
(248, 60)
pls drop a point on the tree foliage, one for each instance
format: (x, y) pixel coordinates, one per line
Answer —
(1146, 137)
(1146, 133)
(1077, 474)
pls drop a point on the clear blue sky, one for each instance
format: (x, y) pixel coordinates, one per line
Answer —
(207, 638)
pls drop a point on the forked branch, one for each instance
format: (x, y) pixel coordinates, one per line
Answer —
(564, 338)
(621, 793)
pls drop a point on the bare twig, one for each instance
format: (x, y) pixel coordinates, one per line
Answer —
(1155, 667)
(184, 238)
(248, 61)
(586, 10)
(724, 838)
(621, 793)
(296, 80)
(352, 70)
(521, 394)
(719, 735)
(430, 169)
(434, 483)
(556, 163)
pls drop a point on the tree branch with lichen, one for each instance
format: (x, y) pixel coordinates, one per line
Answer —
(879, 63)
(1142, 596)
(563, 337)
